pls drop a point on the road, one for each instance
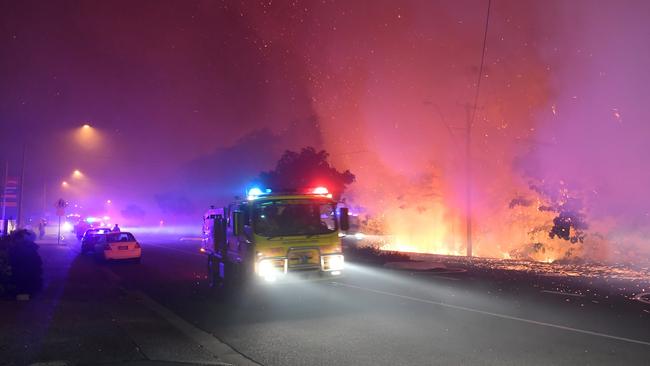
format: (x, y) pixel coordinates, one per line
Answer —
(375, 316)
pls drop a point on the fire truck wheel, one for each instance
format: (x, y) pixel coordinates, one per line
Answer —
(214, 280)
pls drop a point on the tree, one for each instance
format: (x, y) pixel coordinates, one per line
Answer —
(174, 204)
(570, 220)
(304, 169)
(133, 212)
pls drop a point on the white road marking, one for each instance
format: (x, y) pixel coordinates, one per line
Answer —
(644, 297)
(224, 352)
(496, 315)
(562, 293)
(187, 238)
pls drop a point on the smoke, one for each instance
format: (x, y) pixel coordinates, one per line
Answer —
(597, 127)
(560, 105)
(393, 86)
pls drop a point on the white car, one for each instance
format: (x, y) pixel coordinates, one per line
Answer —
(118, 245)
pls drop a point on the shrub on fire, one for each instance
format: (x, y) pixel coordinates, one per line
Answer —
(21, 267)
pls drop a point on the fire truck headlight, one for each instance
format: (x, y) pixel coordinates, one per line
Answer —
(66, 226)
(266, 270)
(335, 262)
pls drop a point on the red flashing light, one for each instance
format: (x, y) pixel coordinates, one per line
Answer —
(321, 190)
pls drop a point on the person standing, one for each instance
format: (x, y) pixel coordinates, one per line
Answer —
(41, 229)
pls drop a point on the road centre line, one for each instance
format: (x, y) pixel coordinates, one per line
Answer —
(496, 315)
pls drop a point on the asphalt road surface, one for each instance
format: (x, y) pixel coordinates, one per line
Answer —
(376, 316)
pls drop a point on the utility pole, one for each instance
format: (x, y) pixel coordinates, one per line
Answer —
(5, 224)
(468, 178)
(44, 198)
(19, 220)
(468, 137)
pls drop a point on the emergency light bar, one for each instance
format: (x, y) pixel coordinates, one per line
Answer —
(257, 192)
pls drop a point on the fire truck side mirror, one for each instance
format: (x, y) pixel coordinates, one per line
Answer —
(237, 218)
(344, 218)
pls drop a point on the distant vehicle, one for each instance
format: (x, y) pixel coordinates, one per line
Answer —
(274, 236)
(115, 246)
(80, 228)
(90, 238)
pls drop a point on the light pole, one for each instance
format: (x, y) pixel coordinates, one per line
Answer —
(5, 224)
(19, 220)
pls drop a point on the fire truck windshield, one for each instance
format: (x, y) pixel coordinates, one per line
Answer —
(294, 217)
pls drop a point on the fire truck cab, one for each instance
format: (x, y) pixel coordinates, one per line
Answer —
(274, 236)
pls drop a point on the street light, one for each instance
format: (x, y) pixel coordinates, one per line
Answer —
(77, 174)
(64, 184)
(87, 136)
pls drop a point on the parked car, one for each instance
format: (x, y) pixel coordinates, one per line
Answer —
(90, 238)
(118, 245)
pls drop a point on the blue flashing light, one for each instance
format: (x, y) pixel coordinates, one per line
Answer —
(253, 193)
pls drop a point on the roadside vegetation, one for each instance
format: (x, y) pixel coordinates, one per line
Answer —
(21, 267)
(371, 254)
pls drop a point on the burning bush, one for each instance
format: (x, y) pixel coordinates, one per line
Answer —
(556, 216)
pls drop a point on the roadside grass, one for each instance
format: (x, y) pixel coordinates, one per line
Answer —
(370, 254)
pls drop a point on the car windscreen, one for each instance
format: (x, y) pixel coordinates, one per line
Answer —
(119, 237)
(91, 232)
(294, 217)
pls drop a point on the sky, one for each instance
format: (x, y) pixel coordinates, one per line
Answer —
(188, 100)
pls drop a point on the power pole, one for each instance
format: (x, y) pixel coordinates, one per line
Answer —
(19, 220)
(468, 137)
(44, 198)
(468, 178)
(5, 224)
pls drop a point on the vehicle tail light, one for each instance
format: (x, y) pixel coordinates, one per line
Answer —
(107, 247)
(137, 245)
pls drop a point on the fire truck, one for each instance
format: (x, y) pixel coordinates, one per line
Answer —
(273, 236)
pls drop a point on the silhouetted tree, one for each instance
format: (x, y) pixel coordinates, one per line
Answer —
(133, 212)
(175, 204)
(307, 168)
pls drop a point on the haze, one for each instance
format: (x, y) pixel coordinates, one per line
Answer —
(190, 100)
